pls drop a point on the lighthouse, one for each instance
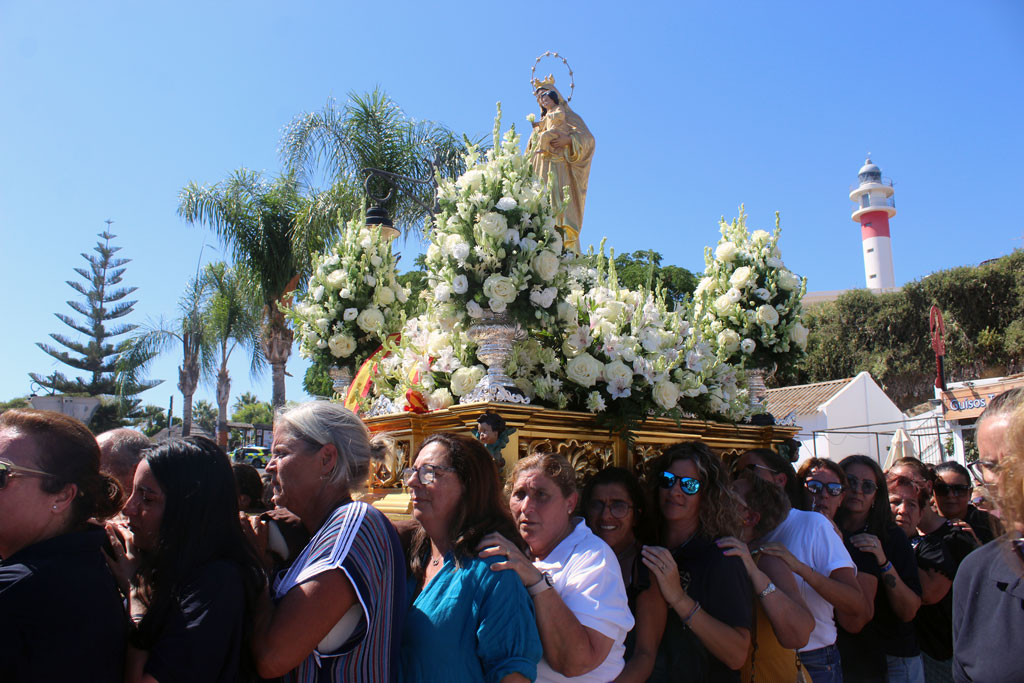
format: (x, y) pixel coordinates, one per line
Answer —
(873, 207)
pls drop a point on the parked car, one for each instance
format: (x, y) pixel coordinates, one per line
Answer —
(257, 456)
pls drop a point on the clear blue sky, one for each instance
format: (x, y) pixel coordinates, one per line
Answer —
(109, 109)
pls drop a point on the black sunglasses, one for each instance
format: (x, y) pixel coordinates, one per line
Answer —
(687, 485)
(816, 487)
(944, 489)
(9, 469)
(865, 486)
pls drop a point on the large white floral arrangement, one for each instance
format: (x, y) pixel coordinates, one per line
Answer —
(352, 302)
(625, 357)
(748, 304)
(494, 248)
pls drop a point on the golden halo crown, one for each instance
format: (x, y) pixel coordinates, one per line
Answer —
(550, 80)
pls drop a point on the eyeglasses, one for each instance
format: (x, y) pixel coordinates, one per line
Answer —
(687, 485)
(618, 508)
(816, 487)
(979, 467)
(866, 486)
(754, 467)
(426, 473)
(9, 469)
(957, 490)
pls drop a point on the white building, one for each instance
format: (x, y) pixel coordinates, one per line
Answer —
(852, 416)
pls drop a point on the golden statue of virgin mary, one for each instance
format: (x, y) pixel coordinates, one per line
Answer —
(561, 148)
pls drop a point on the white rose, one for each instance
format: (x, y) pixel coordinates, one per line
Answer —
(618, 372)
(433, 252)
(567, 313)
(370, 320)
(740, 277)
(501, 288)
(341, 345)
(768, 315)
(787, 280)
(729, 340)
(726, 251)
(759, 237)
(336, 279)
(497, 305)
(701, 286)
(545, 264)
(470, 180)
(439, 399)
(584, 370)
(350, 314)
(464, 379)
(457, 247)
(494, 225)
(506, 204)
(799, 335)
(474, 310)
(734, 294)
(665, 394)
(460, 285)
(747, 346)
(384, 296)
(723, 304)
(442, 292)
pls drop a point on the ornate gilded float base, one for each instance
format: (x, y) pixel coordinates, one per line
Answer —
(574, 435)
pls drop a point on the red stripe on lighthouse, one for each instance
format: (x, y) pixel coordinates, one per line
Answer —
(874, 224)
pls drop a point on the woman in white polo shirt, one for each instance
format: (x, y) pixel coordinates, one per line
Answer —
(584, 620)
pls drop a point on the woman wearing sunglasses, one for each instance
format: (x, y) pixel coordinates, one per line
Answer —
(953, 498)
(466, 623)
(886, 648)
(616, 510)
(573, 577)
(61, 615)
(707, 634)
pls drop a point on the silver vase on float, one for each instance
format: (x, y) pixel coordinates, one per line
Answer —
(494, 335)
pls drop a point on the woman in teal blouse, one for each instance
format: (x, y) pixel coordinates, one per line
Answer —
(467, 622)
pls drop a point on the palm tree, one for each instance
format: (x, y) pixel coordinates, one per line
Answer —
(231, 318)
(256, 220)
(153, 339)
(335, 144)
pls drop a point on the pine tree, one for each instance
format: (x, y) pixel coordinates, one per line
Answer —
(98, 356)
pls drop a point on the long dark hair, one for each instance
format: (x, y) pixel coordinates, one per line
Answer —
(880, 518)
(643, 523)
(200, 525)
(482, 509)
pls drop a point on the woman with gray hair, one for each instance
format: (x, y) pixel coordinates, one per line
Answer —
(337, 611)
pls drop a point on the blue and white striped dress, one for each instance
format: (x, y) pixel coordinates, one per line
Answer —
(360, 541)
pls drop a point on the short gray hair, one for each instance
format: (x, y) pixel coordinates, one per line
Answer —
(322, 423)
(121, 450)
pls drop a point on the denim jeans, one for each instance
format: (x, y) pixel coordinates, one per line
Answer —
(905, 669)
(823, 664)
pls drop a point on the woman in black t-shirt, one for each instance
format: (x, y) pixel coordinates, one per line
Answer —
(707, 634)
(191, 575)
(886, 648)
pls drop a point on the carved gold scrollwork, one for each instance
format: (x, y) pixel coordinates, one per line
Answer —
(388, 474)
(642, 455)
(586, 457)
